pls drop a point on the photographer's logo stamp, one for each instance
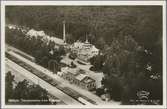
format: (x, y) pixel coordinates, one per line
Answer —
(143, 94)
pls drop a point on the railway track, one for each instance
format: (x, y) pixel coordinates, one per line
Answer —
(74, 94)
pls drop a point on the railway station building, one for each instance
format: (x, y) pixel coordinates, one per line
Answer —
(77, 77)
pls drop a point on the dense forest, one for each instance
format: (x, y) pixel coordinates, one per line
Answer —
(143, 23)
(130, 38)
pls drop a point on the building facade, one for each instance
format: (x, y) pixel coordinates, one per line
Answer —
(77, 77)
(84, 50)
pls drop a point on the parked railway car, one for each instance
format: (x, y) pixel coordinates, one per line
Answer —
(84, 101)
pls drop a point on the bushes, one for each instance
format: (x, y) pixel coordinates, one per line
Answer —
(92, 68)
(99, 91)
(9, 79)
(72, 56)
(97, 62)
(73, 65)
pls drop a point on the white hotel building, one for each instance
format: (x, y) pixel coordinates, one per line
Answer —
(84, 50)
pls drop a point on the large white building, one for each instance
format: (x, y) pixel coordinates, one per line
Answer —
(84, 50)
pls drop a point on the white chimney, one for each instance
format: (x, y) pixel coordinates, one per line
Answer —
(64, 32)
(86, 39)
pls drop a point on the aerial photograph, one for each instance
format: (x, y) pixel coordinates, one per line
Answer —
(83, 55)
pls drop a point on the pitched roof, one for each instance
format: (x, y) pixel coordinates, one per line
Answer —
(84, 78)
(80, 77)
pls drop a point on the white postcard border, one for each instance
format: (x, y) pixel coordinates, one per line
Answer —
(83, 3)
